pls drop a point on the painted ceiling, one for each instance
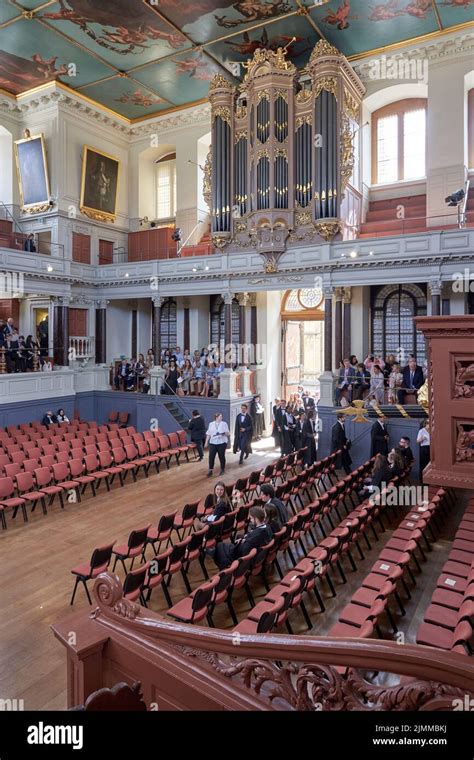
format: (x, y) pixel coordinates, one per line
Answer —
(141, 57)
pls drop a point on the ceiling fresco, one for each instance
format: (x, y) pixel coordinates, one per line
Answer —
(140, 57)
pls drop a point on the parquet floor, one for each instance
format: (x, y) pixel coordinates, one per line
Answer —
(36, 585)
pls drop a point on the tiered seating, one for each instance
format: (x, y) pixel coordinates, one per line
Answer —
(448, 620)
(38, 463)
(360, 617)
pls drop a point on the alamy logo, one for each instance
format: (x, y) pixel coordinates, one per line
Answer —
(45, 734)
(11, 705)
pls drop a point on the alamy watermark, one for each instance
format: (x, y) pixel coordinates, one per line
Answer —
(399, 68)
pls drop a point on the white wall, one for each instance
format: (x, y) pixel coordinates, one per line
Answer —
(119, 329)
(268, 379)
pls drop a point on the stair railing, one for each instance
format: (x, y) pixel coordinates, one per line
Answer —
(175, 397)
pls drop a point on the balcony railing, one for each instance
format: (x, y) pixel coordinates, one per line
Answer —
(81, 347)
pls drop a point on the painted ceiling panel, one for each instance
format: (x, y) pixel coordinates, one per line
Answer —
(124, 33)
(126, 97)
(172, 48)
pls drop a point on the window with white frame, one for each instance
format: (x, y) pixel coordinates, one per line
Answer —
(166, 188)
(399, 141)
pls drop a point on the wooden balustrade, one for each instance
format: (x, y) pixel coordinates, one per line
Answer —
(185, 667)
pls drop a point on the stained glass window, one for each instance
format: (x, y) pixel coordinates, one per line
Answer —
(393, 326)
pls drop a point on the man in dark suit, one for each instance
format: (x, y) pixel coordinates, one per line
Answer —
(285, 426)
(405, 450)
(309, 439)
(347, 375)
(339, 441)
(379, 437)
(243, 433)
(258, 535)
(123, 372)
(412, 379)
(48, 419)
(197, 428)
(30, 243)
(267, 495)
(298, 433)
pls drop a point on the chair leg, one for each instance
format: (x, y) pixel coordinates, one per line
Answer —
(330, 584)
(87, 592)
(75, 589)
(166, 594)
(351, 560)
(186, 582)
(288, 626)
(319, 598)
(391, 620)
(399, 602)
(230, 607)
(249, 595)
(341, 572)
(306, 616)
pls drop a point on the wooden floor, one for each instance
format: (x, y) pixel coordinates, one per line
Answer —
(36, 585)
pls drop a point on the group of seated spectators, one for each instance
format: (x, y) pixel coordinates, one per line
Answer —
(388, 467)
(371, 378)
(191, 375)
(51, 419)
(134, 375)
(20, 351)
(264, 521)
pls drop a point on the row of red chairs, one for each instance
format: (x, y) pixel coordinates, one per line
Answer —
(361, 616)
(447, 622)
(29, 477)
(273, 611)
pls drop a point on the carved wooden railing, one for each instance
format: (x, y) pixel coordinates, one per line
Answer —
(184, 667)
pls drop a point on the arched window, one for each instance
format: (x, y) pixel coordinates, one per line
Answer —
(168, 330)
(218, 321)
(305, 303)
(393, 327)
(399, 141)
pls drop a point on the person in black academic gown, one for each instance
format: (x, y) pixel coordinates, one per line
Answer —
(379, 437)
(339, 440)
(285, 426)
(243, 432)
(275, 433)
(309, 440)
(197, 429)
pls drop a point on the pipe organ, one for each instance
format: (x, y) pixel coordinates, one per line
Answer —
(282, 151)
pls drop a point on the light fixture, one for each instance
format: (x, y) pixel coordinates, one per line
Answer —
(126, 274)
(206, 268)
(353, 254)
(455, 198)
(194, 269)
(371, 253)
(50, 268)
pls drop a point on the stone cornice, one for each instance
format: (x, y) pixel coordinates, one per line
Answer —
(185, 118)
(458, 45)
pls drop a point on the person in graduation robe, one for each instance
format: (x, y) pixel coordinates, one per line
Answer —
(309, 439)
(286, 426)
(379, 437)
(339, 441)
(257, 412)
(243, 432)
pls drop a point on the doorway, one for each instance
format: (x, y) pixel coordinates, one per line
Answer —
(302, 319)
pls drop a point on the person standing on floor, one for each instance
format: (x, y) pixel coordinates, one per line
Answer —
(257, 412)
(339, 441)
(197, 429)
(379, 437)
(243, 432)
(217, 436)
(423, 440)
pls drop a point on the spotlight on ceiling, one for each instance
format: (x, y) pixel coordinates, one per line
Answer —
(50, 268)
(371, 253)
(353, 254)
(177, 235)
(126, 274)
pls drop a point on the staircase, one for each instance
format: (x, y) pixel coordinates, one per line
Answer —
(203, 248)
(177, 413)
(382, 218)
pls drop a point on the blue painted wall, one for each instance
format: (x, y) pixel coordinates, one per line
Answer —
(26, 411)
(359, 434)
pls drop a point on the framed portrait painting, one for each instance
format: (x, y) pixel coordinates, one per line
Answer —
(32, 170)
(99, 185)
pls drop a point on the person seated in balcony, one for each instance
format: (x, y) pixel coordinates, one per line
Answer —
(48, 419)
(377, 385)
(166, 358)
(138, 372)
(412, 379)
(187, 374)
(30, 346)
(361, 382)
(21, 354)
(186, 356)
(146, 380)
(345, 381)
(195, 384)
(13, 345)
(178, 356)
(390, 360)
(29, 244)
(395, 380)
(258, 535)
(171, 378)
(209, 373)
(271, 518)
(123, 374)
(61, 416)
(371, 361)
(405, 450)
(150, 359)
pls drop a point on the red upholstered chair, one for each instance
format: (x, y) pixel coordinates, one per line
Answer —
(92, 467)
(120, 460)
(132, 455)
(185, 521)
(177, 443)
(8, 500)
(156, 576)
(132, 549)
(62, 456)
(44, 482)
(61, 476)
(107, 465)
(157, 534)
(198, 605)
(27, 490)
(47, 461)
(266, 621)
(99, 563)
(13, 469)
(17, 457)
(134, 583)
(76, 469)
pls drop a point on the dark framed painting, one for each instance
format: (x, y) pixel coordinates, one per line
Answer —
(99, 185)
(32, 170)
